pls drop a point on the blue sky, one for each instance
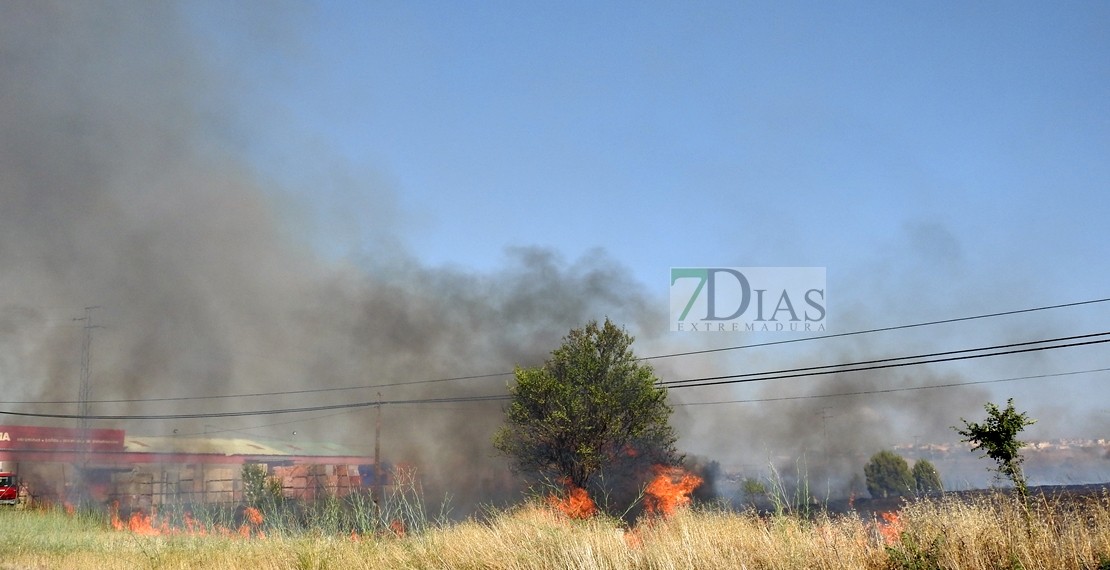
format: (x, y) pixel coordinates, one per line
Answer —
(728, 134)
(939, 159)
(283, 195)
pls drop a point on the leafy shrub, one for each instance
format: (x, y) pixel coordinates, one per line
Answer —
(911, 555)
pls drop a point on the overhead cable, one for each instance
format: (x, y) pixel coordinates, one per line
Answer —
(893, 359)
(890, 390)
(499, 374)
(261, 412)
(737, 378)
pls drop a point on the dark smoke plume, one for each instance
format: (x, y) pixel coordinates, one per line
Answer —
(122, 185)
(116, 190)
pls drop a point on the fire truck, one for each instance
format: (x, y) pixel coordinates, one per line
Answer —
(9, 489)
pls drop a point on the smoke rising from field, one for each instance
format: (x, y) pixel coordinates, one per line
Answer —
(119, 188)
(115, 192)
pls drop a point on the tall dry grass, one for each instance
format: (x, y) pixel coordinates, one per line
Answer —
(986, 532)
(999, 531)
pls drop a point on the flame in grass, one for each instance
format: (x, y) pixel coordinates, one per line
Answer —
(670, 490)
(633, 539)
(890, 528)
(191, 524)
(113, 512)
(396, 529)
(253, 516)
(576, 503)
(151, 525)
(142, 524)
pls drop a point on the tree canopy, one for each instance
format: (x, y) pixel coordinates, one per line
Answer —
(997, 437)
(888, 474)
(591, 407)
(926, 478)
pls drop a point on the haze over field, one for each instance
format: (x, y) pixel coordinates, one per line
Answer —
(284, 198)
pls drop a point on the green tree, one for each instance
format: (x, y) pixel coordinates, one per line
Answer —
(254, 483)
(997, 437)
(926, 478)
(888, 474)
(259, 490)
(592, 406)
(753, 489)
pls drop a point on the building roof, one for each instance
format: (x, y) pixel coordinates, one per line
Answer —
(234, 446)
(161, 449)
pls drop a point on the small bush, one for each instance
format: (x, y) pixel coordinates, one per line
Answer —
(910, 555)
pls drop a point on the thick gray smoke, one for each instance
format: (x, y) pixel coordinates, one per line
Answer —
(115, 191)
(118, 188)
(823, 442)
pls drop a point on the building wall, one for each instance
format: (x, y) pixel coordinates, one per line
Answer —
(160, 484)
(307, 482)
(141, 486)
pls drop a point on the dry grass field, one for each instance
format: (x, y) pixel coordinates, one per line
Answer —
(986, 532)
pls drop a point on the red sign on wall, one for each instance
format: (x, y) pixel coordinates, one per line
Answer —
(34, 438)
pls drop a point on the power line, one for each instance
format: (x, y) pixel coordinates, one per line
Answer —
(883, 329)
(498, 374)
(679, 383)
(491, 398)
(257, 394)
(746, 401)
(893, 359)
(733, 379)
(889, 390)
(245, 429)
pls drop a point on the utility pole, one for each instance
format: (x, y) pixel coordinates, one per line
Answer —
(83, 390)
(825, 416)
(378, 456)
(77, 492)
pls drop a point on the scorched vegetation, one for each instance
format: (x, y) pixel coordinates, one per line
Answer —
(990, 531)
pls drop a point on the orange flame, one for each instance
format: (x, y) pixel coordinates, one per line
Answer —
(253, 515)
(252, 520)
(113, 510)
(891, 529)
(633, 539)
(141, 524)
(576, 504)
(153, 525)
(191, 525)
(669, 490)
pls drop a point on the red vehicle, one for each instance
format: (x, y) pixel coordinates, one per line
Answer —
(9, 489)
